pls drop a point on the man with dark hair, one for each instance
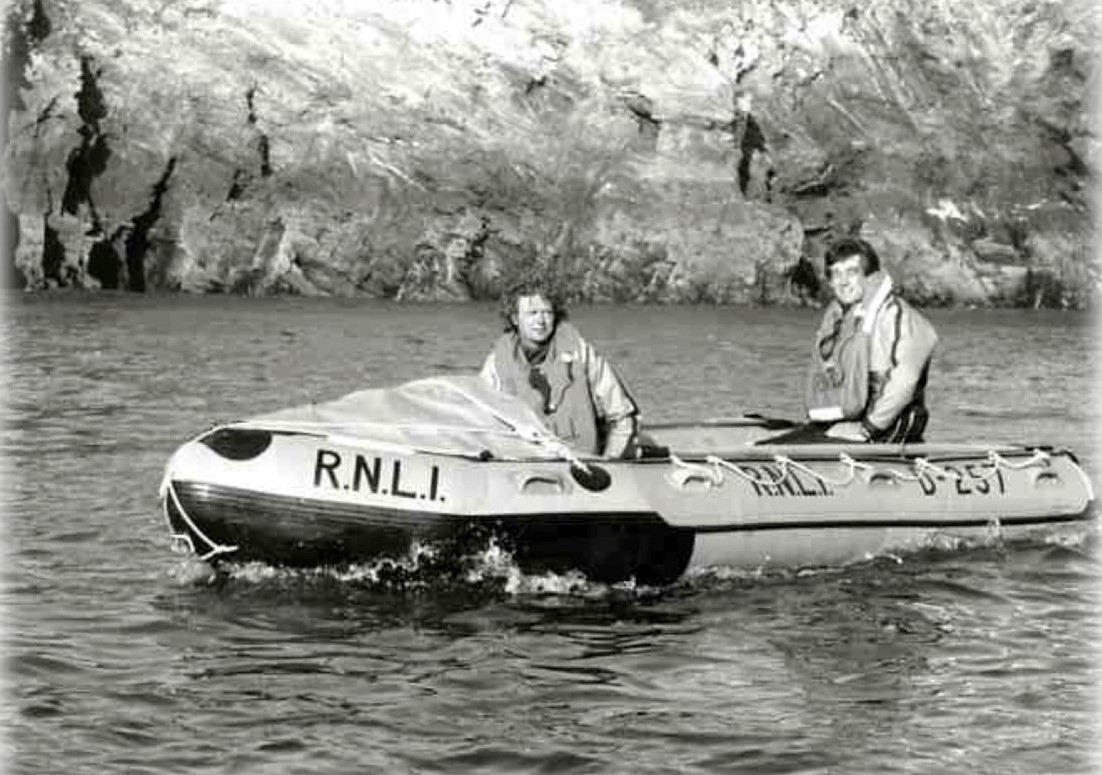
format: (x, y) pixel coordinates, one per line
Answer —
(543, 360)
(872, 354)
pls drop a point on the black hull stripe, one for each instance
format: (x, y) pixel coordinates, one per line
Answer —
(205, 497)
(205, 500)
(300, 532)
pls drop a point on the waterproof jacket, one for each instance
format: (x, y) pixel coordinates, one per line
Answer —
(870, 361)
(579, 394)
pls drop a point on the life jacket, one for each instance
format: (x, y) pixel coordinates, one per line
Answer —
(923, 334)
(564, 400)
(909, 346)
(838, 378)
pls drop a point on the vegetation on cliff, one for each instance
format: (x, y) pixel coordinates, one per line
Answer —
(652, 150)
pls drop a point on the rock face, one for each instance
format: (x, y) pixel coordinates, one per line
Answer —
(649, 150)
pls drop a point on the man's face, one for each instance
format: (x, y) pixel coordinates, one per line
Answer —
(535, 320)
(847, 280)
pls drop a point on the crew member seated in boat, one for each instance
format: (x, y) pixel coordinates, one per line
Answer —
(871, 355)
(543, 360)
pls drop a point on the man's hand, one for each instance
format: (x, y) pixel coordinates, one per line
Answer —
(848, 431)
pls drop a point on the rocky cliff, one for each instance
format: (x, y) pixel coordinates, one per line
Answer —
(649, 149)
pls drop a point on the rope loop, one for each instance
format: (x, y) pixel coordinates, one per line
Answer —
(924, 466)
(1039, 457)
(215, 548)
(687, 470)
(766, 481)
(852, 467)
(993, 464)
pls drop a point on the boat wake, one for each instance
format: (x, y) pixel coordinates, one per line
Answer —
(428, 570)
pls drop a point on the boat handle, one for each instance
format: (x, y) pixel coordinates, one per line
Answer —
(539, 478)
(683, 476)
(1046, 479)
(881, 478)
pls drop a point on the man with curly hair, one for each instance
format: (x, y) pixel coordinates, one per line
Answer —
(542, 359)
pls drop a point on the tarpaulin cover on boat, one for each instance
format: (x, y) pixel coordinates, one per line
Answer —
(457, 415)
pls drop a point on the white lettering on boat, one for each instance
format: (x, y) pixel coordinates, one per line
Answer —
(375, 474)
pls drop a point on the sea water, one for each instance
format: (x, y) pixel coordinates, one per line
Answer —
(122, 657)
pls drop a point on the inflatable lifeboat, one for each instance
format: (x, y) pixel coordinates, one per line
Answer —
(450, 462)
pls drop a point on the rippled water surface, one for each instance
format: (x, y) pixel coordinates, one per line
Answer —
(125, 658)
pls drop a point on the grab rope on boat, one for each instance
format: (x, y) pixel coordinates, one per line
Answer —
(1040, 456)
(768, 481)
(712, 470)
(686, 470)
(994, 460)
(185, 539)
